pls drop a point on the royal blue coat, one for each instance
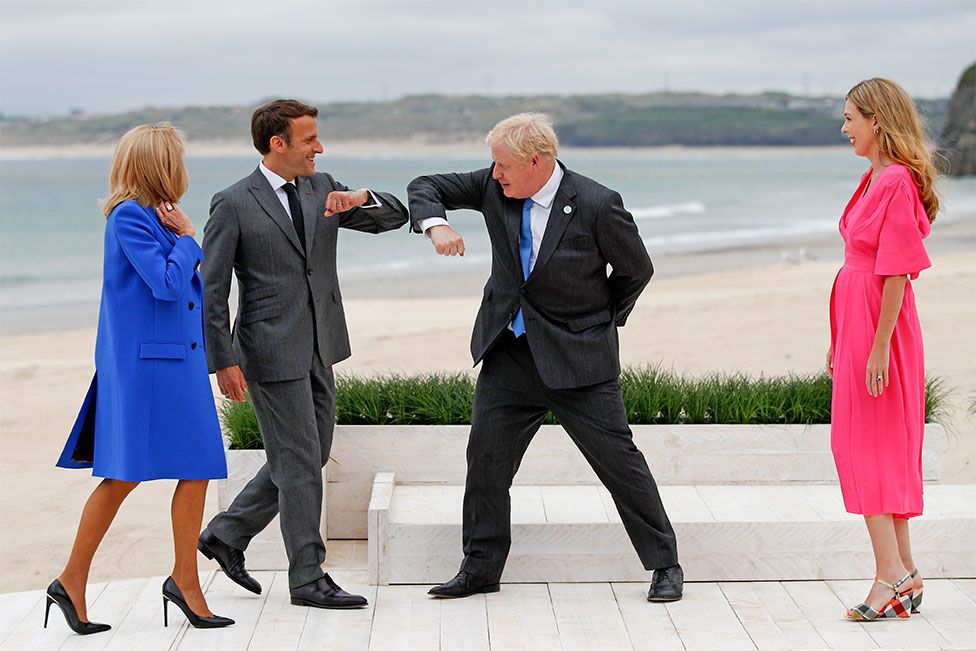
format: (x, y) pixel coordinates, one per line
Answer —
(149, 413)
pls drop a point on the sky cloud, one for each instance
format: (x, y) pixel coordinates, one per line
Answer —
(111, 55)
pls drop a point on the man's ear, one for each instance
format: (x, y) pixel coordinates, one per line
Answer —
(278, 144)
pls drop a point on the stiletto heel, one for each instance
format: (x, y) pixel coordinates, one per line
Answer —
(916, 595)
(900, 605)
(171, 592)
(165, 611)
(56, 594)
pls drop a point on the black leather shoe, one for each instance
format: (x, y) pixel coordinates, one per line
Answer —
(667, 584)
(56, 594)
(463, 585)
(325, 593)
(171, 592)
(230, 560)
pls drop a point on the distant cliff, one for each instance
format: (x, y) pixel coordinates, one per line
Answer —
(654, 119)
(959, 136)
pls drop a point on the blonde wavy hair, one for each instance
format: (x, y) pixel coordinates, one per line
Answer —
(147, 167)
(901, 133)
(526, 134)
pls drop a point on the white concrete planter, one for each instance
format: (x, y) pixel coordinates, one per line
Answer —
(676, 454)
(266, 551)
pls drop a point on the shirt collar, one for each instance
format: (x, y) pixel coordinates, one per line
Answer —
(547, 193)
(275, 180)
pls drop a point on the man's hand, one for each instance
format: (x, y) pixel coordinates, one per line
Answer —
(446, 240)
(232, 383)
(342, 201)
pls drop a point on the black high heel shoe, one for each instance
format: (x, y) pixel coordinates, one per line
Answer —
(171, 592)
(56, 594)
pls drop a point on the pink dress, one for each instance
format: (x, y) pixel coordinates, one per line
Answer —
(877, 442)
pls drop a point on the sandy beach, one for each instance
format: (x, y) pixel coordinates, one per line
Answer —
(751, 312)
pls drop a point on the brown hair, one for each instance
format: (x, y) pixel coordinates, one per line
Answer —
(274, 119)
(147, 167)
(901, 133)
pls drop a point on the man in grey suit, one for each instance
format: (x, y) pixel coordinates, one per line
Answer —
(546, 335)
(277, 230)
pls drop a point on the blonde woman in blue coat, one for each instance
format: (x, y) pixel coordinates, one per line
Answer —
(149, 413)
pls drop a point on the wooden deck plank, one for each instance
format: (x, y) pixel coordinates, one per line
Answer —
(949, 611)
(464, 624)
(526, 505)
(966, 586)
(648, 625)
(14, 607)
(342, 630)
(520, 617)
(913, 633)
(142, 626)
(770, 616)
(736, 503)
(280, 624)
(116, 601)
(228, 599)
(29, 634)
(685, 504)
(705, 620)
(826, 612)
(587, 617)
(405, 617)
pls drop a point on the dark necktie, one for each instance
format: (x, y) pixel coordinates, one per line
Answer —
(295, 206)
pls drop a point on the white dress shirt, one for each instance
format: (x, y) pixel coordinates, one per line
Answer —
(278, 185)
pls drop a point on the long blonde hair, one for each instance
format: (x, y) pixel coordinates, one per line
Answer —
(147, 167)
(901, 133)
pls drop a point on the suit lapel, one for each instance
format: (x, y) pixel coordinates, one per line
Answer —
(268, 200)
(559, 219)
(309, 211)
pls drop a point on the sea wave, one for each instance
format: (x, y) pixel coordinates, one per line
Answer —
(665, 211)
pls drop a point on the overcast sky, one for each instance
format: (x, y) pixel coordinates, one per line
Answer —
(113, 55)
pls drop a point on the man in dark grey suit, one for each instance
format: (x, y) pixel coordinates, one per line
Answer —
(277, 230)
(546, 335)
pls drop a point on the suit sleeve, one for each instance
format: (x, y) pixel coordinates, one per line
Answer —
(390, 215)
(220, 238)
(900, 248)
(433, 195)
(622, 247)
(166, 275)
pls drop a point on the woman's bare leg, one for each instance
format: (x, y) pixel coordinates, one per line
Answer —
(188, 502)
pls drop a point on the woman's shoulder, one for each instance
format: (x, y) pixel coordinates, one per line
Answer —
(896, 175)
(129, 211)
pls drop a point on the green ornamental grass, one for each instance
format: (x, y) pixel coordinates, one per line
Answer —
(652, 396)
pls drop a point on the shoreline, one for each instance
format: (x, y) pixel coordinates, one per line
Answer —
(370, 149)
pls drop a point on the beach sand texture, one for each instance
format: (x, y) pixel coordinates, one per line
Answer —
(768, 320)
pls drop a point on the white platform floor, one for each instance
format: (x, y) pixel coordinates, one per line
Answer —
(599, 616)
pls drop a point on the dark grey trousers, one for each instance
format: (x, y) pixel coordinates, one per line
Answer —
(297, 419)
(510, 404)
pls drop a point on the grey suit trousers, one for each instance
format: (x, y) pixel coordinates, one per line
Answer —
(297, 419)
(510, 403)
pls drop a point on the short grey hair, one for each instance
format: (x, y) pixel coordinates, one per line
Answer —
(526, 134)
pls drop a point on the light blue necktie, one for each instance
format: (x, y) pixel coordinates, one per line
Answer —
(525, 253)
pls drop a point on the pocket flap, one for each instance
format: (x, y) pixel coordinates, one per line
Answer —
(584, 322)
(162, 350)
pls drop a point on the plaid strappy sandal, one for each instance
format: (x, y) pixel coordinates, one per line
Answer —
(916, 594)
(900, 605)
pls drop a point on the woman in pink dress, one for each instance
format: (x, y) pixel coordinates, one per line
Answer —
(875, 355)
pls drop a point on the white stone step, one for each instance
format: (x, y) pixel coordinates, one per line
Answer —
(725, 533)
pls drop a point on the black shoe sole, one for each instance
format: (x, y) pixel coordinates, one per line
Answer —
(658, 600)
(211, 556)
(315, 604)
(495, 587)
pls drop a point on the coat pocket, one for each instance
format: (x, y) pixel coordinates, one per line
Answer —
(261, 313)
(162, 350)
(590, 320)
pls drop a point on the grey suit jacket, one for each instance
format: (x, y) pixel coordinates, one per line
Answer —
(288, 302)
(572, 308)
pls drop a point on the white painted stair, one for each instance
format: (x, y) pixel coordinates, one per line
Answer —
(725, 533)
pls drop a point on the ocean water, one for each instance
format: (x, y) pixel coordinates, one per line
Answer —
(683, 201)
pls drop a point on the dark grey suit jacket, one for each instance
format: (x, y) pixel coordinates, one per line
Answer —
(572, 308)
(288, 301)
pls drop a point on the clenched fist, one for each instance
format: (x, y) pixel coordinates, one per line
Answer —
(446, 240)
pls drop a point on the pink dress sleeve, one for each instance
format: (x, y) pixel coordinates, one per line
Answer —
(900, 248)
